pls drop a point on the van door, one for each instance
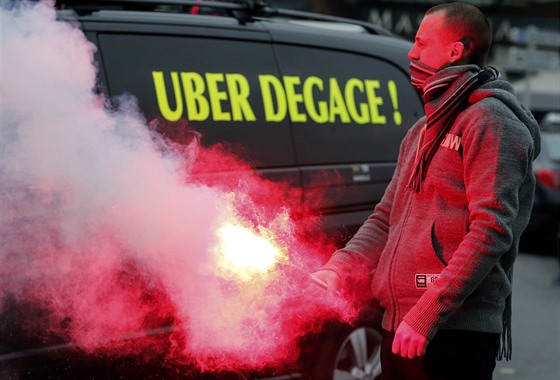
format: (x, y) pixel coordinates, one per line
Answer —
(353, 109)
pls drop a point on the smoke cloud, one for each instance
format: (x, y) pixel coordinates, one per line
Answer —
(107, 235)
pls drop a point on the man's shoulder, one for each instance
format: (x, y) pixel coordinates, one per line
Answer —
(496, 110)
(491, 116)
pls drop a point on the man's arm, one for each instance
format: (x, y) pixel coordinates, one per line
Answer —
(497, 159)
(362, 252)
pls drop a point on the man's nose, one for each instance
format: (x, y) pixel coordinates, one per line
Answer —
(412, 54)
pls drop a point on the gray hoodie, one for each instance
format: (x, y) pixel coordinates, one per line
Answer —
(443, 258)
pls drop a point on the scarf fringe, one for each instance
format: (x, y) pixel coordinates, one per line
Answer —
(506, 346)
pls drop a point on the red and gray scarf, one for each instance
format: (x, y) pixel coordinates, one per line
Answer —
(445, 95)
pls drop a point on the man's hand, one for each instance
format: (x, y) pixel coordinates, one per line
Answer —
(408, 343)
(328, 278)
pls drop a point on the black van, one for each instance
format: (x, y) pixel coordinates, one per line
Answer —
(294, 94)
(293, 97)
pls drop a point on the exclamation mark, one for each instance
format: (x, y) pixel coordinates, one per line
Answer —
(397, 118)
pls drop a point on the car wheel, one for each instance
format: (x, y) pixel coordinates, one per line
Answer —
(355, 355)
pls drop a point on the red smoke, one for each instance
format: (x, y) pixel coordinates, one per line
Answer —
(108, 231)
(95, 293)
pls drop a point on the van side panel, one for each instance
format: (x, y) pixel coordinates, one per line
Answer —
(324, 111)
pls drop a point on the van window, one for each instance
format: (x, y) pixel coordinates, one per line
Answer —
(357, 108)
(212, 83)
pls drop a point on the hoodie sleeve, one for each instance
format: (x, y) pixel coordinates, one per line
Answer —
(498, 152)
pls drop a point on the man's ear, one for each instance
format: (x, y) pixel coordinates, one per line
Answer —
(457, 50)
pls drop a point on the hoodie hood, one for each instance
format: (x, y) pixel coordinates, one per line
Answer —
(504, 92)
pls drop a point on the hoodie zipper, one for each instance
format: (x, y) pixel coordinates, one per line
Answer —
(392, 263)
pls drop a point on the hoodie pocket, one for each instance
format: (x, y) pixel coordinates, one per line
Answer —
(416, 265)
(446, 236)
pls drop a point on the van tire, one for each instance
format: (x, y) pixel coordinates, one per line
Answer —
(349, 353)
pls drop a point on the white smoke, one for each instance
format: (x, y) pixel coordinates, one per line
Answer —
(85, 189)
(58, 140)
(83, 185)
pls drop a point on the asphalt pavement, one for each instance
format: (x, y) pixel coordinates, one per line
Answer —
(536, 320)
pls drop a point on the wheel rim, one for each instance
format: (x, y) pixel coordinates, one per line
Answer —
(358, 356)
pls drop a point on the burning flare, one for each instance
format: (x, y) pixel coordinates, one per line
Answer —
(244, 254)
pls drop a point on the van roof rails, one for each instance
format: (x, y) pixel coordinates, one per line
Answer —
(243, 10)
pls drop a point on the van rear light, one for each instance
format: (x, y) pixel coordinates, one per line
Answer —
(548, 178)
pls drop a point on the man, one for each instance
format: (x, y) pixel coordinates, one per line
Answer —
(441, 244)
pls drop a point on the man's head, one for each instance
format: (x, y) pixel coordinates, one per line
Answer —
(452, 34)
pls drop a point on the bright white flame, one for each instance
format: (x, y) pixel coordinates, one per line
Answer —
(244, 253)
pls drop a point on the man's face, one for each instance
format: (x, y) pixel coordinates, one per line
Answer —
(433, 45)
